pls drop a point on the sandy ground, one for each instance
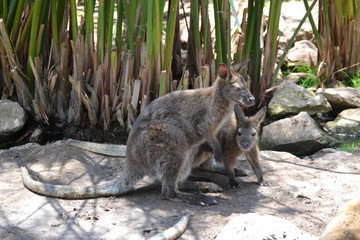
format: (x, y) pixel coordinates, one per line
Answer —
(306, 192)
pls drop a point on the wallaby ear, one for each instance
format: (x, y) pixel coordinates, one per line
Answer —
(223, 70)
(238, 67)
(259, 116)
(240, 116)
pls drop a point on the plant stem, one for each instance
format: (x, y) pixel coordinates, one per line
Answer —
(32, 42)
(288, 46)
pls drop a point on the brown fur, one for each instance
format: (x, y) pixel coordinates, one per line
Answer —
(240, 135)
(346, 223)
(163, 138)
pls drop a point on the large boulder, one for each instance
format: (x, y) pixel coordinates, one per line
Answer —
(347, 123)
(341, 98)
(291, 99)
(304, 53)
(299, 135)
(12, 119)
(254, 226)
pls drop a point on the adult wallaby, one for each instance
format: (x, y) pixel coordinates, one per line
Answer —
(240, 135)
(163, 138)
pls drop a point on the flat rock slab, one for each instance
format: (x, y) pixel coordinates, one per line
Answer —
(346, 123)
(299, 135)
(306, 192)
(291, 99)
(341, 98)
(304, 53)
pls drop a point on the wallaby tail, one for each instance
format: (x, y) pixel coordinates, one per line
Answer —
(114, 187)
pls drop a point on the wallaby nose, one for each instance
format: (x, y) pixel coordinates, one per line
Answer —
(251, 99)
(245, 144)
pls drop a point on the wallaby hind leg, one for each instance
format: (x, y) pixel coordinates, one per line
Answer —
(170, 174)
(240, 173)
(200, 186)
(196, 199)
(169, 191)
(211, 166)
(253, 158)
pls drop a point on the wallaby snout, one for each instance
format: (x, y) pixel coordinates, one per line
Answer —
(249, 100)
(244, 144)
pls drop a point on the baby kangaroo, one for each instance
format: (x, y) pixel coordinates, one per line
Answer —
(164, 137)
(238, 136)
(242, 137)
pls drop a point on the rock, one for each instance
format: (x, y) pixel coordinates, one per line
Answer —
(347, 123)
(298, 135)
(293, 19)
(330, 154)
(254, 226)
(12, 119)
(285, 33)
(304, 53)
(341, 98)
(294, 77)
(290, 99)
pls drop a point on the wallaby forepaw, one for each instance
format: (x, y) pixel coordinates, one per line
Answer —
(210, 187)
(263, 183)
(240, 173)
(209, 201)
(204, 201)
(234, 184)
(193, 199)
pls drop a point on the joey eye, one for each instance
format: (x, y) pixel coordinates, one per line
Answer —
(253, 134)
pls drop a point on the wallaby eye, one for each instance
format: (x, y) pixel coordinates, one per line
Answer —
(236, 89)
(253, 134)
(239, 132)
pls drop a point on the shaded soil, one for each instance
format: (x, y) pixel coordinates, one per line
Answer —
(306, 192)
(116, 135)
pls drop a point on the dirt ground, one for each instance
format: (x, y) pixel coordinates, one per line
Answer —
(306, 192)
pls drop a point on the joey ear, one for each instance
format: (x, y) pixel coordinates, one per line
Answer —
(240, 116)
(259, 116)
(223, 70)
(238, 67)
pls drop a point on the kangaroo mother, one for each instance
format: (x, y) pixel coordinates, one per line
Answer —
(163, 138)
